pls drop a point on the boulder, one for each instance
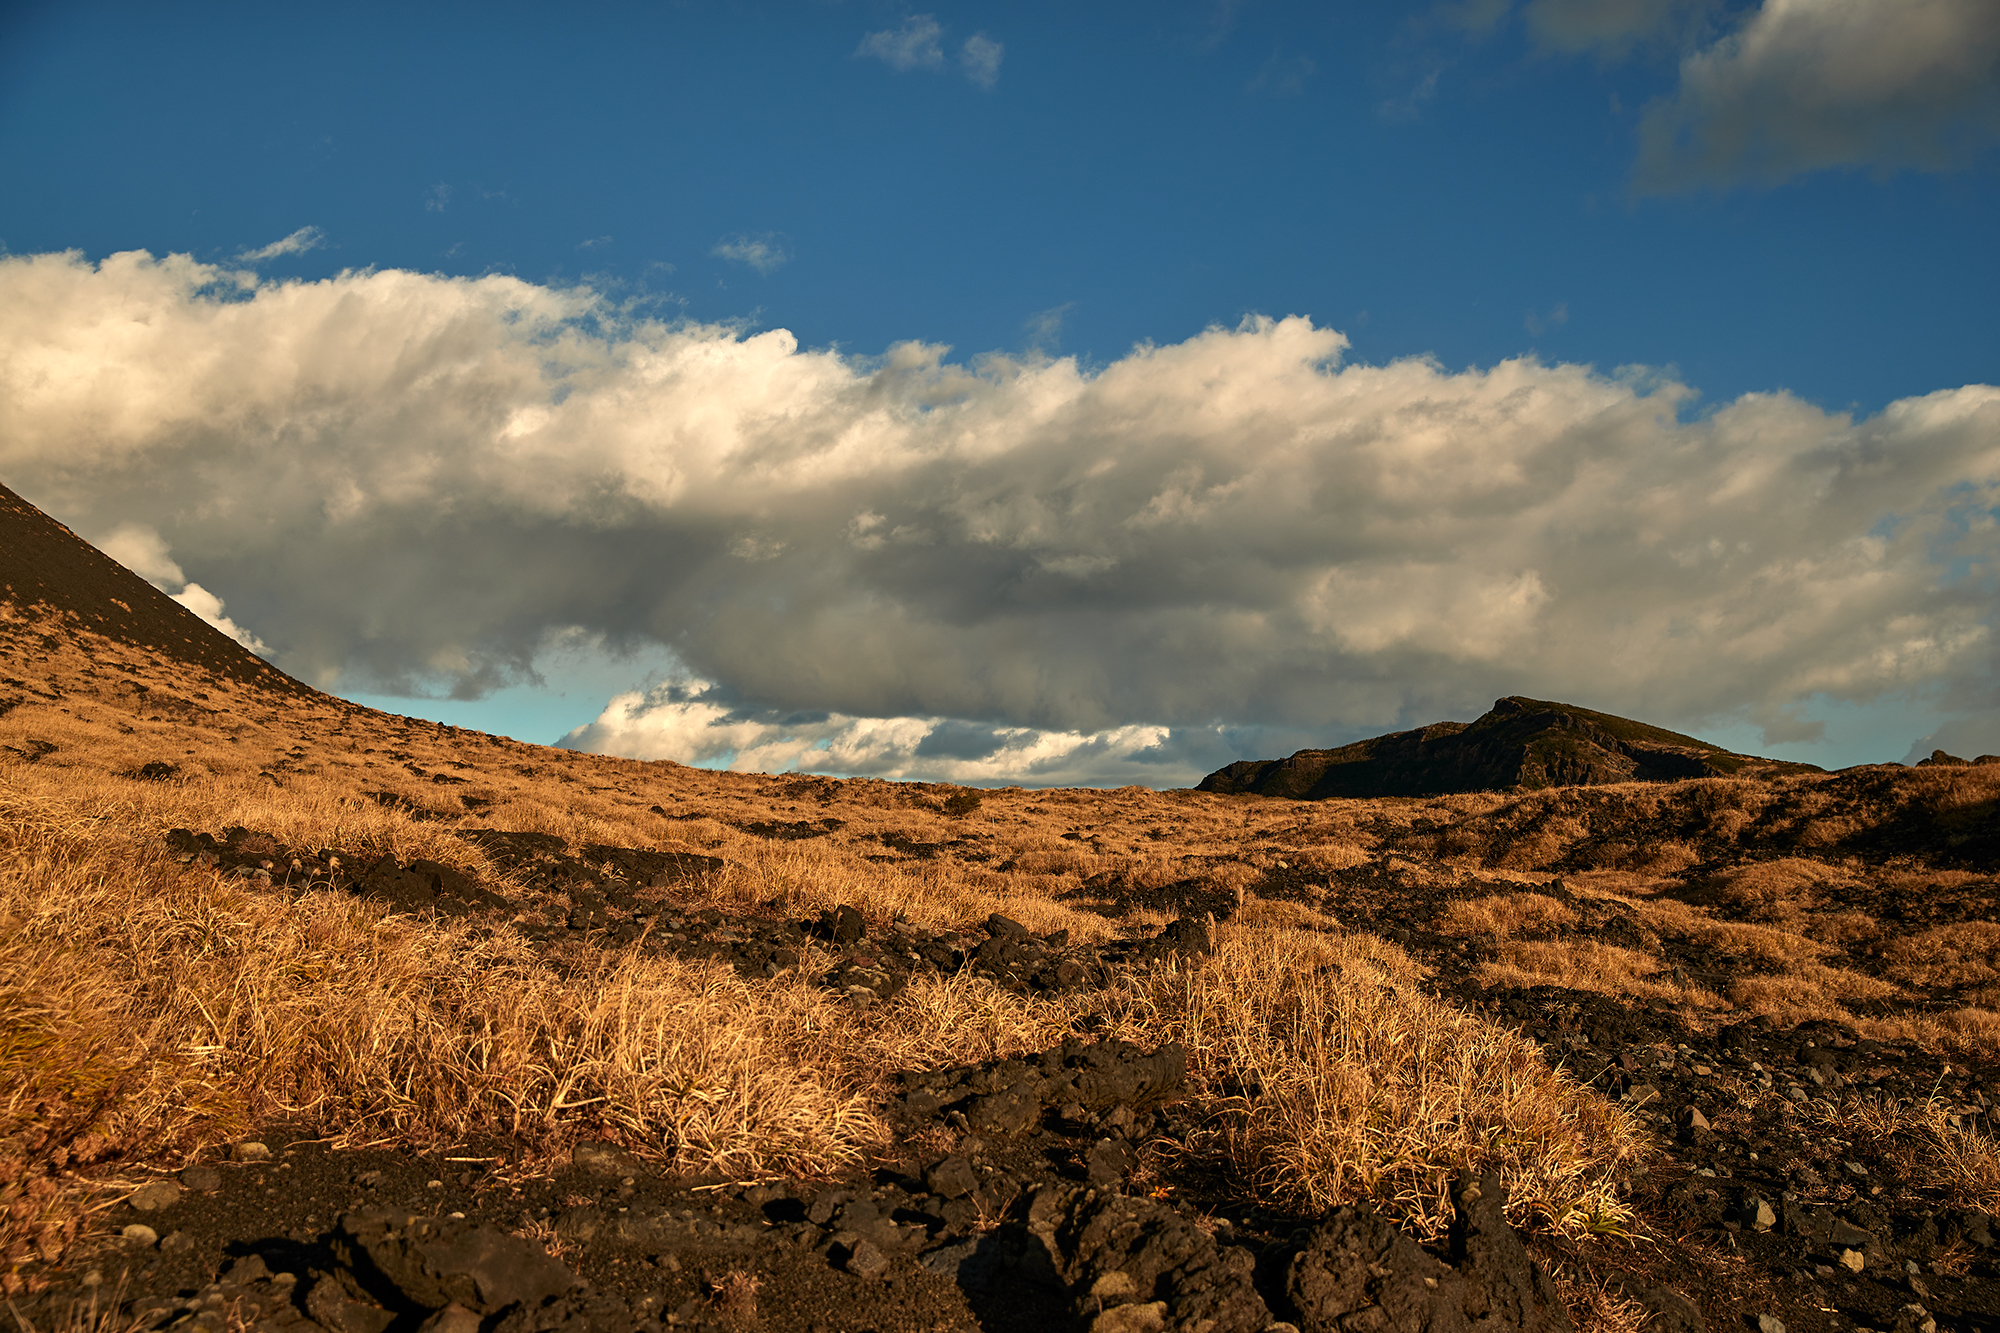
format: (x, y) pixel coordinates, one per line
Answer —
(429, 1263)
(1358, 1270)
(1130, 1264)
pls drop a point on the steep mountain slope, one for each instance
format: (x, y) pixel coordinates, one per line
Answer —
(1520, 743)
(47, 570)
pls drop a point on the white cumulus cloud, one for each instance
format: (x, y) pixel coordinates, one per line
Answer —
(141, 550)
(1805, 85)
(692, 721)
(406, 481)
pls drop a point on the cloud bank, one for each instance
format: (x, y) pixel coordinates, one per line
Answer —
(1805, 85)
(696, 722)
(406, 482)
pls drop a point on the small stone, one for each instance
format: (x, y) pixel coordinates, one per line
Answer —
(139, 1234)
(206, 1179)
(604, 1159)
(1696, 1120)
(864, 1260)
(250, 1268)
(1639, 1094)
(152, 1198)
(1770, 1323)
(249, 1151)
(177, 1242)
(1852, 1260)
(1108, 1161)
(952, 1178)
(1762, 1218)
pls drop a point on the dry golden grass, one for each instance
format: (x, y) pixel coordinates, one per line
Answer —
(95, 1311)
(151, 1009)
(1777, 890)
(1808, 993)
(1924, 1145)
(1963, 954)
(1504, 915)
(733, 1296)
(1766, 946)
(1595, 1308)
(1587, 965)
(182, 1009)
(1331, 856)
(1364, 1088)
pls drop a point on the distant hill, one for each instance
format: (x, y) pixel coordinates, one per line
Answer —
(1521, 743)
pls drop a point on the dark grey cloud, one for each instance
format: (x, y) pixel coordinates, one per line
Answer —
(1806, 85)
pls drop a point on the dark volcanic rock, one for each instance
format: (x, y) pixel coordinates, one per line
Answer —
(426, 1263)
(1358, 1262)
(1136, 1264)
(423, 886)
(1526, 743)
(1358, 1271)
(650, 868)
(1082, 1081)
(1504, 1287)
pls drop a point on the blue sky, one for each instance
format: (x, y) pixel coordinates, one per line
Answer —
(1696, 201)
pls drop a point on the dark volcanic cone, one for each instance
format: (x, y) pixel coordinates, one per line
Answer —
(1521, 743)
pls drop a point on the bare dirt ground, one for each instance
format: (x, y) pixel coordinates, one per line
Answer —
(317, 1017)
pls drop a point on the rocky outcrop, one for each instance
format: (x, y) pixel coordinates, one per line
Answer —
(1358, 1271)
(1138, 1266)
(1520, 743)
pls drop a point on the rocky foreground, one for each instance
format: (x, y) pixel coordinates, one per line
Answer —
(1046, 1207)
